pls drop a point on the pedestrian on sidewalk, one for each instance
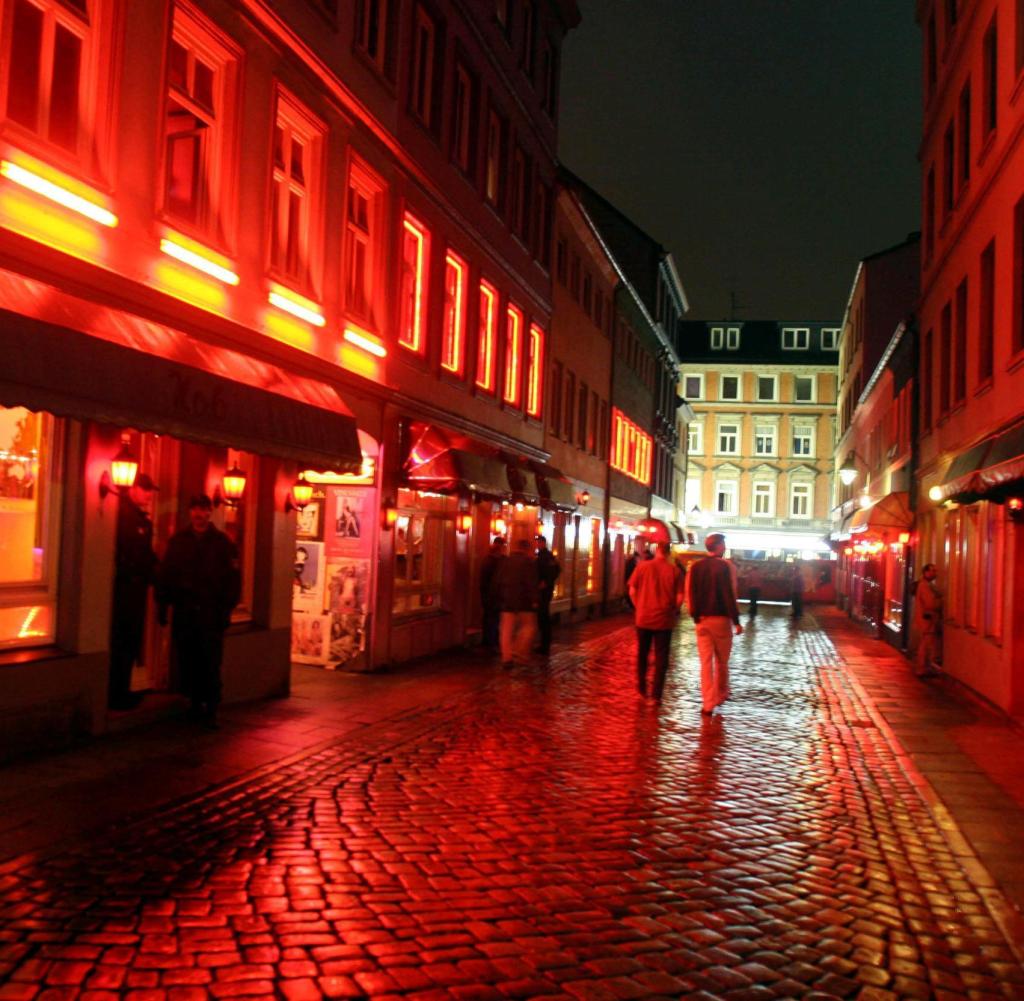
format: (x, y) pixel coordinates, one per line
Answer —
(518, 593)
(754, 582)
(927, 621)
(199, 579)
(796, 591)
(711, 598)
(628, 570)
(656, 590)
(489, 602)
(548, 571)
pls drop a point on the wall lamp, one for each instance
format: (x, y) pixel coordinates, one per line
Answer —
(231, 488)
(583, 498)
(848, 471)
(300, 494)
(389, 514)
(464, 522)
(121, 475)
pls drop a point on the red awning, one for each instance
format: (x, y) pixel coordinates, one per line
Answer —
(891, 514)
(450, 464)
(986, 467)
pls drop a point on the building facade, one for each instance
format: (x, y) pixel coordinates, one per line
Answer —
(760, 447)
(298, 238)
(971, 319)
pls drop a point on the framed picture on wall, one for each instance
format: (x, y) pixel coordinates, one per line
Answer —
(311, 638)
(308, 577)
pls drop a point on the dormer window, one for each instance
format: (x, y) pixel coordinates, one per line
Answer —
(796, 338)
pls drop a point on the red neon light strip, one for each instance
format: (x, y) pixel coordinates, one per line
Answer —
(411, 334)
(488, 335)
(513, 350)
(535, 370)
(632, 452)
(455, 314)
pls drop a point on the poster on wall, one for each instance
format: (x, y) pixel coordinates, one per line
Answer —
(311, 638)
(349, 528)
(309, 521)
(348, 639)
(348, 585)
(308, 577)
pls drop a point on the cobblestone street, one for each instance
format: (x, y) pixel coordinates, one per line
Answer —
(545, 832)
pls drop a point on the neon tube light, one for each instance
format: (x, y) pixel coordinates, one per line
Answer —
(297, 305)
(198, 261)
(534, 369)
(55, 193)
(411, 335)
(365, 341)
(513, 350)
(485, 351)
(455, 317)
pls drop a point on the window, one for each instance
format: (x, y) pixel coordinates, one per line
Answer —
(570, 405)
(693, 387)
(948, 180)
(945, 356)
(803, 388)
(196, 124)
(965, 134)
(519, 195)
(412, 298)
(830, 339)
(730, 387)
(588, 294)
(631, 451)
(994, 571)
(534, 370)
(726, 492)
(494, 169)
(581, 417)
(603, 432)
(424, 530)
(728, 439)
(764, 439)
(562, 261)
(30, 466)
(800, 500)
(513, 355)
(574, 277)
(960, 345)
(48, 56)
(298, 141)
(763, 505)
(931, 54)
(548, 83)
(990, 80)
(732, 338)
(695, 438)
(527, 25)
(373, 32)
(929, 214)
(595, 404)
(599, 310)
(453, 332)
(555, 398)
(796, 338)
(987, 313)
(927, 379)
(717, 338)
(425, 59)
(487, 338)
(1019, 47)
(501, 14)
(361, 243)
(1018, 271)
(464, 115)
(803, 441)
(766, 388)
(543, 200)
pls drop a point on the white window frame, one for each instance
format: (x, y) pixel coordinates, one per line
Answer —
(793, 336)
(814, 389)
(717, 338)
(739, 387)
(802, 431)
(693, 375)
(772, 433)
(695, 436)
(730, 488)
(774, 398)
(737, 433)
(829, 338)
(762, 488)
(805, 490)
(732, 338)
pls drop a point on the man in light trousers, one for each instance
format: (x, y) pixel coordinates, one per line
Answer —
(711, 598)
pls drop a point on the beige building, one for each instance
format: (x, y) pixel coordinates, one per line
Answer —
(759, 452)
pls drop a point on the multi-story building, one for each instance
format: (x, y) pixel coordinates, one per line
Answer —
(971, 322)
(760, 446)
(271, 238)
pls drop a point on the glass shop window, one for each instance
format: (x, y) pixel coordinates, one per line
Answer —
(29, 460)
(424, 532)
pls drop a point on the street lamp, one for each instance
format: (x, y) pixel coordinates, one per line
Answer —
(848, 470)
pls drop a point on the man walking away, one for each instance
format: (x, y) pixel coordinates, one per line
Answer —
(518, 593)
(656, 590)
(711, 598)
(489, 603)
(754, 582)
(927, 621)
(548, 571)
(200, 580)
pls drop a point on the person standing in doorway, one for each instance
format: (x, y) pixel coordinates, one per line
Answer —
(754, 582)
(200, 581)
(796, 591)
(711, 598)
(656, 591)
(548, 571)
(489, 604)
(518, 593)
(135, 566)
(927, 621)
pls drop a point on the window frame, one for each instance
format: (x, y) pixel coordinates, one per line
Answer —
(804, 488)
(535, 345)
(732, 338)
(813, 398)
(412, 332)
(453, 320)
(465, 109)
(495, 169)
(717, 338)
(769, 492)
(769, 431)
(486, 378)
(729, 487)
(721, 433)
(721, 388)
(512, 380)
(695, 434)
(799, 341)
(370, 187)
(383, 59)
(774, 398)
(426, 67)
(802, 431)
(693, 375)
(833, 338)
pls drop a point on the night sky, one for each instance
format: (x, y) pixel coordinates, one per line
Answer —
(769, 144)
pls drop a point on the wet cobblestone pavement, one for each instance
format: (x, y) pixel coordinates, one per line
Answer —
(550, 834)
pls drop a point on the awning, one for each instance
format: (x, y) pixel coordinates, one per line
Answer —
(522, 480)
(556, 492)
(191, 389)
(891, 513)
(961, 478)
(448, 463)
(1005, 460)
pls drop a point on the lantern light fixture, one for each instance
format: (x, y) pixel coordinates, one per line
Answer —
(583, 498)
(935, 493)
(123, 469)
(231, 488)
(389, 514)
(300, 494)
(464, 522)
(848, 471)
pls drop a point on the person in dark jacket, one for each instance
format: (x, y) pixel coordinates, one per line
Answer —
(518, 593)
(489, 603)
(548, 571)
(200, 580)
(135, 566)
(796, 591)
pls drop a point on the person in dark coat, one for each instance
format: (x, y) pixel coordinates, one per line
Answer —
(796, 591)
(489, 603)
(632, 560)
(200, 580)
(518, 593)
(548, 571)
(135, 566)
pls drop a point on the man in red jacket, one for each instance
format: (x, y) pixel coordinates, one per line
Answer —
(656, 590)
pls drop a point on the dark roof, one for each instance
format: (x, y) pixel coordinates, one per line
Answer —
(760, 341)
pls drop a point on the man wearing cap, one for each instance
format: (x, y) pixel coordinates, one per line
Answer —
(200, 580)
(134, 570)
(711, 598)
